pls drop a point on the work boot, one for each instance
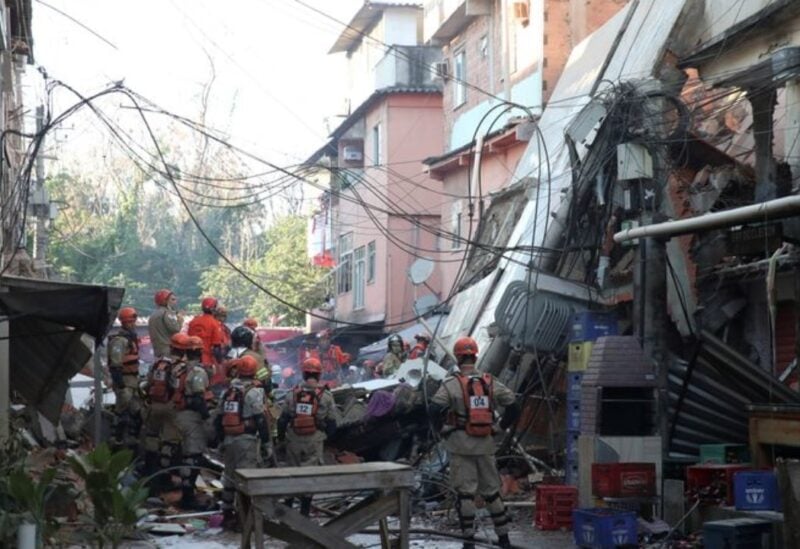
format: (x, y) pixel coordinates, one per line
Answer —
(504, 542)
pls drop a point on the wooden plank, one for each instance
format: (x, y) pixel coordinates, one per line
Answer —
(322, 470)
(363, 514)
(302, 525)
(245, 511)
(287, 486)
(404, 503)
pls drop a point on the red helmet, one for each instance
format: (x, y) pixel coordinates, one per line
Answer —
(127, 314)
(247, 366)
(162, 297)
(312, 366)
(179, 341)
(465, 346)
(208, 303)
(193, 343)
(251, 323)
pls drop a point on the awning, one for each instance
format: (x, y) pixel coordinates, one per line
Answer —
(53, 329)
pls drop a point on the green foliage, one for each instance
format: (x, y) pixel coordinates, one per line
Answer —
(283, 269)
(116, 507)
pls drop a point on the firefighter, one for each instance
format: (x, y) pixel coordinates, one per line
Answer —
(123, 367)
(164, 322)
(251, 323)
(395, 355)
(191, 403)
(470, 398)
(242, 426)
(418, 351)
(307, 419)
(162, 439)
(221, 314)
(208, 328)
(330, 356)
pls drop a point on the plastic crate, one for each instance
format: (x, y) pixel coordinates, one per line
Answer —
(604, 528)
(590, 325)
(574, 415)
(739, 533)
(554, 506)
(578, 356)
(756, 491)
(571, 473)
(621, 480)
(724, 453)
(574, 380)
(712, 482)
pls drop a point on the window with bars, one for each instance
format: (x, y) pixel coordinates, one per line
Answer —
(359, 275)
(345, 273)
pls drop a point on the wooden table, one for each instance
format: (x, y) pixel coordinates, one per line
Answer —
(261, 491)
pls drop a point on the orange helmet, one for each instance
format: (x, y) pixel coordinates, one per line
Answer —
(162, 297)
(251, 323)
(247, 366)
(465, 346)
(127, 314)
(312, 366)
(179, 341)
(193, 343)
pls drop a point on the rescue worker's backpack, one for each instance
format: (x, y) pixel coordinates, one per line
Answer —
(233, 421)
(306, 405)
(477, 391)
(129, 357)
(180, 372)
(159, 388)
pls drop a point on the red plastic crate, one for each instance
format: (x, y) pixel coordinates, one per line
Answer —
(621, 480)
(554, 506)
(712, 482)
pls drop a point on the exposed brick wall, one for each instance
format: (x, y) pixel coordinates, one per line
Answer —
(566, 24)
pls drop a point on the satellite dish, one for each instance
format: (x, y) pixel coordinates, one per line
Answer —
(420, 271)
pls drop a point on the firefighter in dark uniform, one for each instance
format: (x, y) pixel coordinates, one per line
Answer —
(191, 404)
(469, 399)
(308, 417)
(162, 439)
(123, 367)
(241, 424)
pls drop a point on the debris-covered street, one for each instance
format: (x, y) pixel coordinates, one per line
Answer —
(436, 273)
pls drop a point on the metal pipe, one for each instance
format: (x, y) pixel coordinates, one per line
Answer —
(771, 210)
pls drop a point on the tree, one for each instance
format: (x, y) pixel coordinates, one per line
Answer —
(283, 269)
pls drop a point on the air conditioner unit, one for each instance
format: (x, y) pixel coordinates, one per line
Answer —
(352, 154)
(441, 69)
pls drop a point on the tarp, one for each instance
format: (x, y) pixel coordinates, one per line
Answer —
(53, 328)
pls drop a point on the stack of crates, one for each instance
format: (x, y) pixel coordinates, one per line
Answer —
(586, 328)
(554, 506)
(604, 528)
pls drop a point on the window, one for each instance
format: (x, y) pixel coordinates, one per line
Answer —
(459, 78)
(371, 262)
(359, 270)
(345, 281)
(455, 225)
(376, 144)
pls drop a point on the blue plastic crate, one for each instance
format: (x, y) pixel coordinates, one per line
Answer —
(738, 533)
(756, 491)
(571, 473)
(590, 325)
(574, 380)
(604, 528)
(574, 415)
(572, 445)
